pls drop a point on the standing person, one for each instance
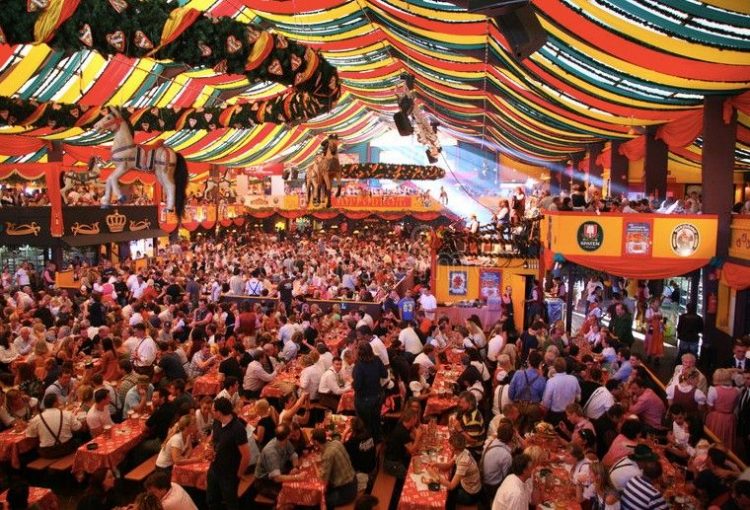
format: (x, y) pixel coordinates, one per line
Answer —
(689, 329)
(721, 399)
(231, 456)
(622, 325)
(144, 352)
(517, 205)
(654, 342)
(428, 303)
(406, 307)
(743, 415)
(506, 304)
(368, 393)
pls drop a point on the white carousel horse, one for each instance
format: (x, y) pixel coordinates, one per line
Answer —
(222, 189)
(70, 180)
(329, 168)
(169, 166)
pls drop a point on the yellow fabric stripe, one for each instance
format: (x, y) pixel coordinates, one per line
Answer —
(130, 85)
(453, 16)
(632, 69)
(658, 40)
(24, 70)
(268, 154)
(325, 17)
(62, 135)
(742, 6)
(91, 69)
(223, 141)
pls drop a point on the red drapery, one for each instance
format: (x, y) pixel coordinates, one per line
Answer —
(261, 215)
(740, 102)
(17, 145)
(634, 149)
(29, 171)
(656, 268)
(682, 131)
(735, 276)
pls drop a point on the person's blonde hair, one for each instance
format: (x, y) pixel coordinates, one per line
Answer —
(262, 406)
(183, 423)
(41, 348)
(722, 377)
(537, 454)
(85, 393)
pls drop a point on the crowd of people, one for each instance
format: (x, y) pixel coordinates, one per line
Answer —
(17, 196)
(134, 341)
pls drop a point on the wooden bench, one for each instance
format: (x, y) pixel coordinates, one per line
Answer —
(63, 463)
(264, 501)
(143, 470)
(40, 464)
(246, 482)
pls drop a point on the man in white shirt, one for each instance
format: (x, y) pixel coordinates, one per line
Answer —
(98, 417)
(364, 319)
(171, 495)
(287, 329)
(46, 424)
(378, 347)
(428, 302)
(144, 353)
(22, 277)
(409, 339)
(309, 378)
(230, 391)
(425, 359)
(332, 385)
(513, 492)
(23, 342)
(256, 376)
(254, 287)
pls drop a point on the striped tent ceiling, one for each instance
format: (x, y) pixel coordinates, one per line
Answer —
(608, 69)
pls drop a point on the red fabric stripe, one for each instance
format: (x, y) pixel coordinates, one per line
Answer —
(103, 89)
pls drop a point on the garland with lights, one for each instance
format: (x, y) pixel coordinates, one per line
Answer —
(391, 171)
(152, 28)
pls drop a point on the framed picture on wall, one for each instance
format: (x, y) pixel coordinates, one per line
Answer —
(489, 283)
(457, 283)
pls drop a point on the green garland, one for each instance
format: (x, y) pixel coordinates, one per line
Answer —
(391, 171)
(221, 43)
(20, 112)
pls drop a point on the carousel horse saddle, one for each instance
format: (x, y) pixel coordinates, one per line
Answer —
(144, 159)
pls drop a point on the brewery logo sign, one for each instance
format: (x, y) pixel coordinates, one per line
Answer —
(685, 239)
(590, 236)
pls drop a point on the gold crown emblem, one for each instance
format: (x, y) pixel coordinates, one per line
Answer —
(116, 221)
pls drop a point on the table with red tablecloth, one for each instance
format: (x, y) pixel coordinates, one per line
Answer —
(433, 448)
(553, 477)
(458, 314)
(40, 498)
(284, 382)
(13, 444)
(346, 402)
(335, 339)
(194, 474)
(207, 385)
(309, 491)
(442, 398)
(112, 446)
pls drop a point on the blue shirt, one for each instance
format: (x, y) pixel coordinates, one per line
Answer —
(518, 387)
(562, 390)
(624, 372)
(640, 494)
(133, 398)
(406, 309)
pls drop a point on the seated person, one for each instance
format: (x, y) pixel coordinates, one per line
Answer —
(278, 463)
(54, 428)
(335, 470)
(401, 444)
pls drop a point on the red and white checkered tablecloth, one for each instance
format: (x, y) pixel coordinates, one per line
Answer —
(13, 444)
(39, 497)
(311, 491)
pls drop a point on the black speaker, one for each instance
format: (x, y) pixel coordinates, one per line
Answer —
(523, 31)
(403, 124)
(496, 8)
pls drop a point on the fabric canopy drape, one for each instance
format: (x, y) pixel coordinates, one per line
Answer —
(634, 149)
(741, 103)
(683, 131)
(15, 145)
(735, 276)
(656, 268)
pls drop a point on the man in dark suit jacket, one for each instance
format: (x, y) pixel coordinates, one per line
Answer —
(739, 359)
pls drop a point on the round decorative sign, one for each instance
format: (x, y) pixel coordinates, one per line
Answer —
(685, 239)
(590, 236)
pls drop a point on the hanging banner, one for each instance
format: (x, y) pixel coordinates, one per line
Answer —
(637, 239)
(25, 225)
(490, 283)
(416, 203)
(83, 220)
(739, 238)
